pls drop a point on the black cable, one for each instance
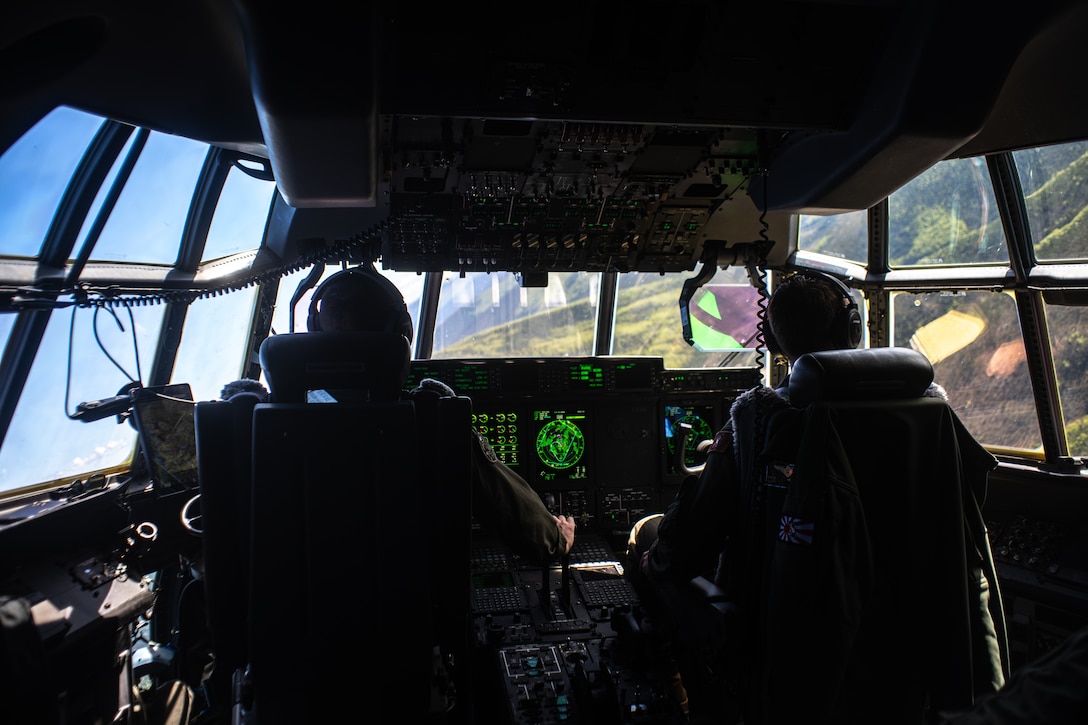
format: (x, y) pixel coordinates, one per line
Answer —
(120, 326)
(757, 267)
(86, 295)
(68, 364)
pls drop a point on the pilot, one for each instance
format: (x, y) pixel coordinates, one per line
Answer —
(807, 312)
(361, 299)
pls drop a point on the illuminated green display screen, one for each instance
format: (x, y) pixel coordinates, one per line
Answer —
(503, 430)
(560, 445)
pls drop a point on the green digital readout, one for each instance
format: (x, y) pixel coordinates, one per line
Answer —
(586, 375)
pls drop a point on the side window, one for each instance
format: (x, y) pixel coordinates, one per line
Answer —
(842, 236)
(240, 215)
(147, 222)
(1069, 347)
(34, 173)
(214, 343)
(90, 353)
(973, 340)
(1052, 179)
(42, 444)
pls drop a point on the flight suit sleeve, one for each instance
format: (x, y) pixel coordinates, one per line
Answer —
(692, 532)
(505, 503)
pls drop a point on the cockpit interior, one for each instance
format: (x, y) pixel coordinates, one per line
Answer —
(476, 155)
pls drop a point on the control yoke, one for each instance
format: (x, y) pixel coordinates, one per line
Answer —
(680, 454)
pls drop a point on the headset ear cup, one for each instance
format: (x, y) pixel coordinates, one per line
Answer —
(403, 322)
(849, 322)
(313, 316)
(851, 326)
(847, 328)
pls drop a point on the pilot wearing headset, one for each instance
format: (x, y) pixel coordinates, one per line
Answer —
(361, 299)
(807, 312)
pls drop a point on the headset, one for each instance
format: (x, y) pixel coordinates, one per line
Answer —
(389, 309)
(846, 329)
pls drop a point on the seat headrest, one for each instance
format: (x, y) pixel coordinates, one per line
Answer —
(877, 373)
(246, 399)
(374, 363)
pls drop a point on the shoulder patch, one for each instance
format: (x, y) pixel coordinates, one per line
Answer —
(485, 447)
(793, 530)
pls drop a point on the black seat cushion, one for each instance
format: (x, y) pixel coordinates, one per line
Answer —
(867, 374)
(375, 363)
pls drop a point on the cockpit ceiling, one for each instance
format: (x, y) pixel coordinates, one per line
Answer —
(840, 102)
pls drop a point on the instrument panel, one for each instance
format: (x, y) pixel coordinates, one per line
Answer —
(596, 437)
(535, 196)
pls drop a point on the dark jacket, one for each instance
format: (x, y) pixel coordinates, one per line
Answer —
(838, 622)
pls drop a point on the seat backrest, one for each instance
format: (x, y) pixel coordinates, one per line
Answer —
(337, 549)
(879, 599)
(223, 444)
(444, 424)
(358, 510)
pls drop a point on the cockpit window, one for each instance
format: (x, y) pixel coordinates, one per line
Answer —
(946, 216)
(843, 236)
(492, 315)
(409, 284)
(90, 353)
(723, 320)
(146, 224)
(1069, 347)
(1052, 179)
(973, 340)
(42, 444)
(214, 345)
(34, 173)
(240, 215)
